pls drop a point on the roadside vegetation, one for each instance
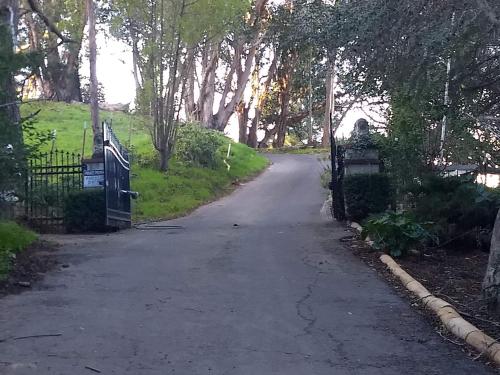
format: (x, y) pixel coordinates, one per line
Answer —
(13, 239)
(197, 173)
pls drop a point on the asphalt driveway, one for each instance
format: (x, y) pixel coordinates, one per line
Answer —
(256, 284)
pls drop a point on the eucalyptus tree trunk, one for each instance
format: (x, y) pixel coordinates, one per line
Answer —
(9, 110)
(8, 42)
(94, 101)
(284, 77)
(330, 99)
(12, 156)
(262, 97)
(59, 70)
(242, 112)
(491, 283)
(236, 78)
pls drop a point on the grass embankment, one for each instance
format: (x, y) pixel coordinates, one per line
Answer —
(162, 195)
(13, 239)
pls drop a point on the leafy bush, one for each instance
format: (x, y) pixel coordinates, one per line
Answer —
(396, 233)
(85, 211)
(366, 194)
(13, 239)
(457, 205)
(326, 177)
(197, 146)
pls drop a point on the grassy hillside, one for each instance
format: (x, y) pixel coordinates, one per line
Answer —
(162, 195)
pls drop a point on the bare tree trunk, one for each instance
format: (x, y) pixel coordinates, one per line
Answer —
(210, 58)
(60, 72)
(491, 283)
(284, 100)
(8, 37)
(263, 95)
(11, 136)
(94, 101)
(225, 111)
(268, 135)
(283, 118)
(252, 131)
(330, 99)
(242, 111)
(189, 104)
(227, 107)
(135, 62)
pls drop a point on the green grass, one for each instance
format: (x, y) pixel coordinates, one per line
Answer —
(183, 187)
(13, 239)
(162, 195)
(68, 121)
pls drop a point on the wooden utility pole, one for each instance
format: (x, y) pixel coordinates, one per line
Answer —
(94, 101)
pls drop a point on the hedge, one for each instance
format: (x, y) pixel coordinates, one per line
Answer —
(366, 194)
(85, 211)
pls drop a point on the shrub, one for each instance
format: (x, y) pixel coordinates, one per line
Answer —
(396, 233)
(457, 206)
(85, 211)
(13, 239)
(326, 177)
(198, 146)
(366, 194)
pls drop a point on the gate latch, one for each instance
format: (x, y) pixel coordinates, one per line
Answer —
(133, 194)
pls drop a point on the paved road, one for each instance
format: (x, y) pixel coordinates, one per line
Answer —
(277, 294)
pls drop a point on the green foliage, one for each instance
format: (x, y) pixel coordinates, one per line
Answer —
(406, 150)
(162, 195)
(456, 205)
(85, 89)
(68, 120)
(85, 211)
(185, 187)
(198, 146)
(366, 194)
(326, 177)
(212, 18)
(396, 233)
(13, 239)
(12, 150)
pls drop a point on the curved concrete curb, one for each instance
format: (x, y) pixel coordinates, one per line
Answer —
(450, 318)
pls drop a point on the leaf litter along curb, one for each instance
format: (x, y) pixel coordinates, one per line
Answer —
(448, 315)
(465, 285)
(29, 266)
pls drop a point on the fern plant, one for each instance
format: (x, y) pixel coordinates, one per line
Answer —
(397, 233)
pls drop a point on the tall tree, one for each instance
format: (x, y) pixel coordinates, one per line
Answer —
(94, 86)
(11, 140)
(491, 283)
(58, 73)
(166, 38)
(234, 53)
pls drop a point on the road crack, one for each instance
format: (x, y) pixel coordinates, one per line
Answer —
(304, 310)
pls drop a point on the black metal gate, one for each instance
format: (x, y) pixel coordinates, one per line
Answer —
(50, 178)
(117, 181)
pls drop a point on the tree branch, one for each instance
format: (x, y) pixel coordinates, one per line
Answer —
(51, 26)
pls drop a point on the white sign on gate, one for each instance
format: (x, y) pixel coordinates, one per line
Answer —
(93, 175)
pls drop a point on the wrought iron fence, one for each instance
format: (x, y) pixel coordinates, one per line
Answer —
(50, 178)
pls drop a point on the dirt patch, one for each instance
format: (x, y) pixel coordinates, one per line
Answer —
(454, 276)
(29, 267)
